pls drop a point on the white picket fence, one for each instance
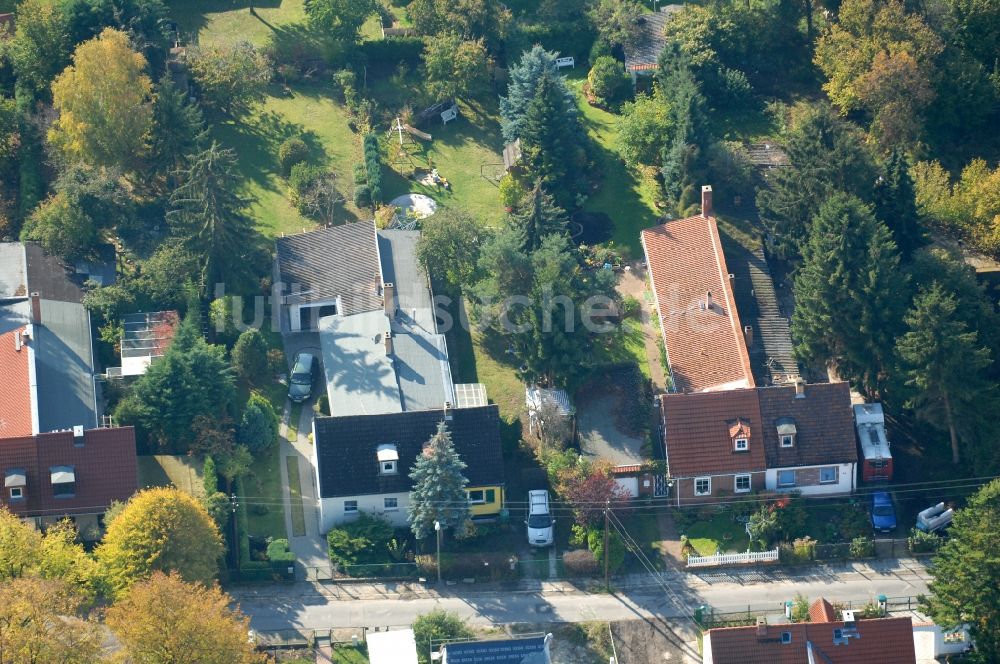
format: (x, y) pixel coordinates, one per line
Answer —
(746, 558)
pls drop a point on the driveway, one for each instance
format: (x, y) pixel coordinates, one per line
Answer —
(599, 437)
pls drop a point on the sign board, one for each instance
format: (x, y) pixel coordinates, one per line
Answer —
(565, 62)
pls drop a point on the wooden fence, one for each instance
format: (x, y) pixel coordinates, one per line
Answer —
(747, 558)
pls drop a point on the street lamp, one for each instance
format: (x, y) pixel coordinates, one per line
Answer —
(437, 530)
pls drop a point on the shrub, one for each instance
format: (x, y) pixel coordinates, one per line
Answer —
(249, 356)
(292, 151)
(437, 626)
(616, 548)
(322, 405)
(276, 361)
(580, 562)
(862, 547)
(258, 428)
(631, 307)
(801, 550)
(360, 174)
(393, 51)
(607, 78)
(373, 165)
(314, 191)
(364, 541)
(362, 196)
(511, 191)
(921, 542)
(278, 552)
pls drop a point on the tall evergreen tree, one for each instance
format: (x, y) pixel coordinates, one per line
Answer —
(537, 217)
(207, 215)
(965, 587)
(896, 204)
(848, 293)
(825, 155)
(684, 157)
(943, 363)
(551, 140)
(178, 130)
(524, 77)
(438, 492)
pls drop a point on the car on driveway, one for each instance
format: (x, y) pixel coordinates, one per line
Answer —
(883, 512)
(303, 376)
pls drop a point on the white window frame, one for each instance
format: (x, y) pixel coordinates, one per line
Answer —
(482, 496)
(707, 492)
(741, 447)
(794, 478)
(836, 475)
(736, 483)
(348, 509)
(387, 467)
(19, 495)
(390, 508)
(790, 437)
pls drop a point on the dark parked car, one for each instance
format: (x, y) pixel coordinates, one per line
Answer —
(883, 513)
(303, 376)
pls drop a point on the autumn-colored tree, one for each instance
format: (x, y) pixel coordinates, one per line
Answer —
(62, 557)
(39, 622)
(455, 67)
(165, 620)
(160, 529)
(592, 492)
(970, 207)
(19, 546)
(103, 100)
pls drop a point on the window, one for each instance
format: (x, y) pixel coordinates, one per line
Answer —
(63, 481)
(350, 506)
(491, 495)
(828, 475)
(390, 504)
(786, 637)
(742, 483)
(477, 497)
(740, 444)
(388, 467)
(788, 440)
(16, 493)
(786, 478)
(388, 457)
(702, 486)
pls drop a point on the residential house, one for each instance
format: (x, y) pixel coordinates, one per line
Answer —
(642, 54)
(824, 638)
(74, 474)
(706, 349)
(783, 438)
(809, 438)
(363, 461)
(518, 650)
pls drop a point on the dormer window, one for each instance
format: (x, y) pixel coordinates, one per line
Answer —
(14, 481)
(786, 431)
(388, 459)
(741, 444)
(63, 480)
(739, 434)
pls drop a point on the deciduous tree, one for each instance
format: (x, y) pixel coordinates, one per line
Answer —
(165, 620)
(438, 492)
(592, 492)
(61, 226)
(449, 246)
(471, 19)
(437, 627)
(644, 127)
(232, 78)
(40, 622)
(455, 67)
(341, 19)
(970, 207)
(40, 48)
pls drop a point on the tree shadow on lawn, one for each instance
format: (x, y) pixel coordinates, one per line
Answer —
(191, 16)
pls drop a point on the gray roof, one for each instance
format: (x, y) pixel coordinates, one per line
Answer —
(507, 651)
(335, 262)
(360, 378)
(64, 367)
(651, 41)
(398, 251)
(13, 274)
(422, 369)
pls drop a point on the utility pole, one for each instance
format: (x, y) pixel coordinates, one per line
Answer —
(607, 580)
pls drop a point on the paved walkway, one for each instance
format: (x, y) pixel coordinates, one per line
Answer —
(309, 549)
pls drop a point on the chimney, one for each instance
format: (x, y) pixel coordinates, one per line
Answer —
(706, 201)
(447, 411)
(78, 435)
(708, 299)
(36, 308)
(800, 388)
(748, 335)
(761, 627)
(388, 343)
(389, 296)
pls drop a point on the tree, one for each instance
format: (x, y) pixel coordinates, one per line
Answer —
(192, 379)
(615, 21)
(607, 78)
(436, 627)
(178, 130)
(896, 204)
(970, 208)
(103, 100)
(449, 246)
(848, 293)
(40, 622)
(470, 19)
(207, 216)
(145, 21)
(232, 78)
(250, 357)
(341, 19)
(965, 587)
(161, 529)
(19, 546)
(683, 159)
(61, 226)
(438, 492)
(314, 192)
(538, 217)
(40, 48)
(455, 67)
(259, 425)
(522, 88)
(61, 557)
(644, 126)
(591, 492)
(165, 620)
(943, 362)
(825, 155)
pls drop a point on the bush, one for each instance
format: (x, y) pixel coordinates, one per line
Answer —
(360, 174)
(437, 626)
(580, 562)
(292, 151)
(322, 405)
(802, 550)
(481, 566)
(276, 361)
(258, 428)
(631, 307)
(373, 165)
(921, 542)
(249, 357)
(862, 547)
(607, 78)
(616, 548)
(278, 552)
(392, 51)
(362, 196)
(364, 541)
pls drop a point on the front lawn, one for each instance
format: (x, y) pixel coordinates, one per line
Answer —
(264, 501)
(721, 533)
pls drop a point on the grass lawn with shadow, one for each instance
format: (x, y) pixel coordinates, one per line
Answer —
(220, 21)
(263, 492)
(718, 534)
(295, 495)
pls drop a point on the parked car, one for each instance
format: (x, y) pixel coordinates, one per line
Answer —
(883, 512)
(303, 376)
(540, 522)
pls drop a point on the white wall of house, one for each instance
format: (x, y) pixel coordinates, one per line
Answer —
(332, 510)
(807, 480)
(294, 311)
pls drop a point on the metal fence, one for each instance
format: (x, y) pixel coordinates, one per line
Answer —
(708, 616)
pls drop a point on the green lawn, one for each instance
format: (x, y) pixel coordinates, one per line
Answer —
(294, 417)
(349, 655)
(625, 344)
(720, 533)
(295, 496)
(217, 21)
(183, 472)
(263, 491)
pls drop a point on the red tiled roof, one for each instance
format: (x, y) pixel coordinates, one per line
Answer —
(105, 469)
(822, 611)
(697, 432)
(878, 641)
(705, 345)
(15, 388)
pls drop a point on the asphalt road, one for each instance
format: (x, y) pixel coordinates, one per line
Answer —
(725, 591)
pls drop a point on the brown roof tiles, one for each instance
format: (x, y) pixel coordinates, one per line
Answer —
(698, 318)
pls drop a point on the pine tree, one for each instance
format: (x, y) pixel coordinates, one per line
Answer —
(896, 204)
(551, 140)
(438, 492)
(178, 130)
(825, 155)
(943, 362)
(207, 214)
(683, 157)
(966, 573)
(848, 293)
(537, 217)
(523, 86)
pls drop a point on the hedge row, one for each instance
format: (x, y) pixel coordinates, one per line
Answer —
(373, 164)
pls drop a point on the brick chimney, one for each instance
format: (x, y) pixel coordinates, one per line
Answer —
(706, 201)
(389, 296)
(800, 388)
(748, 335)
(36, 308)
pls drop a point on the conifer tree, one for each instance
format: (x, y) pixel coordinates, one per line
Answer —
(896, 204)
(550, 140)
(438, 492)
(683, 158)
(537, 217)
(178, 130)
(524, 77)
